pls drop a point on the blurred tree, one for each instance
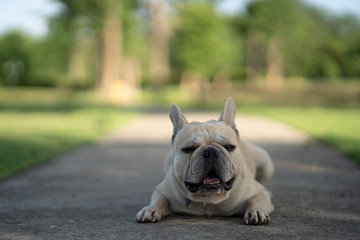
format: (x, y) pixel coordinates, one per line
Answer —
(345, 45)
(15, 59)
(120, 73)
(91, 36)
(110, 43)
(81, 71)
(279, 27)
(275, 65)
(74, 40)
(159, 36)
(202, 43)
(112, 47)
(310, 43)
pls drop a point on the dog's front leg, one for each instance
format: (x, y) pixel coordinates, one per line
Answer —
(259, 208)
(156, 211)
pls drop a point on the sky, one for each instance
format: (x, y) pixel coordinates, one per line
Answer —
(30, 15)
(27, 15)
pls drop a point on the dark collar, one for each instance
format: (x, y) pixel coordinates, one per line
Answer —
(187, 202)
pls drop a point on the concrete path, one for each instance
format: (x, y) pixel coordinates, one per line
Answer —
(94, 192)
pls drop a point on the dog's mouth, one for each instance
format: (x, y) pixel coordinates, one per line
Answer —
(209, 184)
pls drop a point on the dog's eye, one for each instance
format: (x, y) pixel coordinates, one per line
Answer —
(229, 147)
(189, 149)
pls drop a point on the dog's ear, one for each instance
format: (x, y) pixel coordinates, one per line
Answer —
(228, 114)
(177, 118)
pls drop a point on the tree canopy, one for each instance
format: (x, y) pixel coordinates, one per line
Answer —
(271, 37)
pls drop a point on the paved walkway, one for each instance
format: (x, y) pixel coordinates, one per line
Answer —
(94, 192)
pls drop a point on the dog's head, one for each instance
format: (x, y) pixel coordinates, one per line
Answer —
(207, 156)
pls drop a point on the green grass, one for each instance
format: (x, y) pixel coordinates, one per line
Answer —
(36, 125)
(338, 127)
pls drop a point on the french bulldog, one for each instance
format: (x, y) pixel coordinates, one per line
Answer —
(212, 172)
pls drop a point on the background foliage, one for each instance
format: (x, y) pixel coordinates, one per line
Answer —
(306, 42)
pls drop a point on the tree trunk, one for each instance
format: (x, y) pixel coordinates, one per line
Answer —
(112, 52)
(159, 36)
(253, 57)
(82, 59)
(275, 72)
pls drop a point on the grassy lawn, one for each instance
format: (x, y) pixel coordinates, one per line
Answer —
(36, 125)
(338, 127)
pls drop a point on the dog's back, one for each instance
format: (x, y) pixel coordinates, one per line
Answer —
(258, 161)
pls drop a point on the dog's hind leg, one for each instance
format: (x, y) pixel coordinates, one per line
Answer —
(264, 166)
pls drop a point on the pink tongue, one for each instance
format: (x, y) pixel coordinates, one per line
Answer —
(210, 180)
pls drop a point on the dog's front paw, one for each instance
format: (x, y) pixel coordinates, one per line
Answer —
(149, 214)
(256, 217)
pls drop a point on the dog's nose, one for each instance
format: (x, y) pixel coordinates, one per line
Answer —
(210, 153)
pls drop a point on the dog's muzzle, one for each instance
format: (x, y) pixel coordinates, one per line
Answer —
(213, 171)
(209, 186)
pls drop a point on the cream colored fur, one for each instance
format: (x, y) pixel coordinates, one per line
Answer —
(250, 164)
